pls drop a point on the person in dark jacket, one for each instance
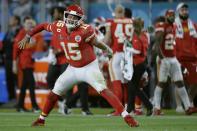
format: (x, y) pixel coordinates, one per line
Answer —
(8, 41)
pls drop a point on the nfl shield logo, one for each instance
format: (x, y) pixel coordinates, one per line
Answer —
(78, 38)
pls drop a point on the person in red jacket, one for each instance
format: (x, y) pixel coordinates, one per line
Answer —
(140, 44)
(78, 40)
(23, 58)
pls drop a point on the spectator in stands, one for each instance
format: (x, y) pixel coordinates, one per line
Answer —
(8, 42)
(23, 58)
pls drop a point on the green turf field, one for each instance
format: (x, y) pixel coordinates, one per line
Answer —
(171, 121)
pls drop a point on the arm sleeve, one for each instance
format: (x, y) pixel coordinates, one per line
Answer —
(41, 27)
(89, 34)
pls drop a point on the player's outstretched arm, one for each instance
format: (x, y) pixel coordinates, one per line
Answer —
(37, 29)
(101, 45)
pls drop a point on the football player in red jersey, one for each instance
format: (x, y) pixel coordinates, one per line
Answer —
(117, 30)
(165, 47)
(77, 40)
(186, 47)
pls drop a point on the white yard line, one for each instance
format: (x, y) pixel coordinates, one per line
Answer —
(96, 115)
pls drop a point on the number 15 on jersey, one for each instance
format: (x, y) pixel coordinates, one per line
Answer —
(71, 51)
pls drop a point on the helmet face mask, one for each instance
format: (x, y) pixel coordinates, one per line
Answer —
(73, 16)
(72, 21)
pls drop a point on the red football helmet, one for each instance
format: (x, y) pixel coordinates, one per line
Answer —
(75, 11)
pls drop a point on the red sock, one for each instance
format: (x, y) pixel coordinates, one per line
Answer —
(49, 103)
(117, 88)
(125, 93)
(113, 100)
(138, 103)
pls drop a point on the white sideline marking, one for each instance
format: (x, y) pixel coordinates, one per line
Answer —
(96, 115)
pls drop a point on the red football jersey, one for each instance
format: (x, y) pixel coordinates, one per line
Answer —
(55, 43)
(186, 47)
(140, 43)
(168, 44)
(78, 51)
(120, 29)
